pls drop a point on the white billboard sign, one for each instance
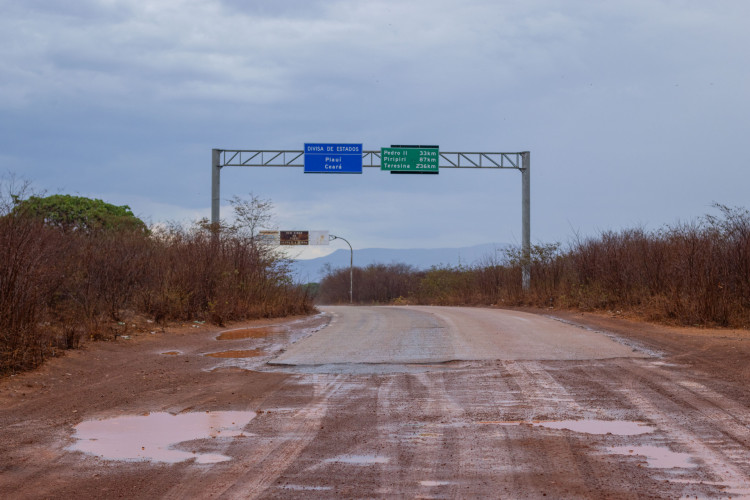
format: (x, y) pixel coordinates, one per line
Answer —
(318, 238)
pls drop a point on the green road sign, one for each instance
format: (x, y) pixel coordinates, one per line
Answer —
(410, 159)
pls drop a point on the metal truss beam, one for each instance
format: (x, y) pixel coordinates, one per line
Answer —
(520, 161)
(296, 158)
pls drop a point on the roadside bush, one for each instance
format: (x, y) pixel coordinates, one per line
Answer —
(374, 284)
(695, 273)
(60, 283)
(29, 276)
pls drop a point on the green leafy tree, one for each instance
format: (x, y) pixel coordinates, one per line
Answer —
(78, 213)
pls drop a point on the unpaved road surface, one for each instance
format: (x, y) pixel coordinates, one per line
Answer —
(416, 402)
(440, 334)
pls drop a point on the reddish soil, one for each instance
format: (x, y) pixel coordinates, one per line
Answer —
(451, 431)
(720, 353)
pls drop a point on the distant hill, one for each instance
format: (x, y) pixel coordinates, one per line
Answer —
(311, 270)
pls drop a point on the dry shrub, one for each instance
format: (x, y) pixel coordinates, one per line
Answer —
(58, 287)
(29, 276)
(374, 284)
(219, 279)
(695, 273)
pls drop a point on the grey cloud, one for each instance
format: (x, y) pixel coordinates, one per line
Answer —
(308, 9)
(79, 10)
(618, 101)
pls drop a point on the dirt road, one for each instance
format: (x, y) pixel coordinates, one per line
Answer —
(440, 334)
(387, 402)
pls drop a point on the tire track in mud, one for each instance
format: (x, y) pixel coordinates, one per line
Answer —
(265, 458)
(439, 435)
(434, 436)
(413, 437)
(439, 450)
(568, 462)
(541, 461)
(545, 398)
(693, 422)
(460, 429)
(596, 388)
(714, 406)
(400, 431)
(430, 439)
(391, 408)
(493, 455)
(686, 415)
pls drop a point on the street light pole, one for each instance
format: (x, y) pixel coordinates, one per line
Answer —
(351, 266)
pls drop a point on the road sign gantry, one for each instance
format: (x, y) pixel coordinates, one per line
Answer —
(370, 158)
(520, 161)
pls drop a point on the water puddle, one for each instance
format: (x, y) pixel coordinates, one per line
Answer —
(247, 353)
(615, 427)
(663, 363)
(249, 333)
(431, 484)
(657, 457)
(359, 459)
(154, 436)
(692, 385)
(300, 487)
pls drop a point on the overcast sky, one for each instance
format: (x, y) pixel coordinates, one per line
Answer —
(636, 112)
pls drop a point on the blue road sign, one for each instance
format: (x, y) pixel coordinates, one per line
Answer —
(333, 158)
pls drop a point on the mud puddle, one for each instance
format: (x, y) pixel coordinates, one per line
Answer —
(614, 427)
(434, 484)
(359, 459)
(657, 457)
(250, 333)
(154, 437)
(246, 353)
(258, 345)
(300, 487)
(361, 368)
